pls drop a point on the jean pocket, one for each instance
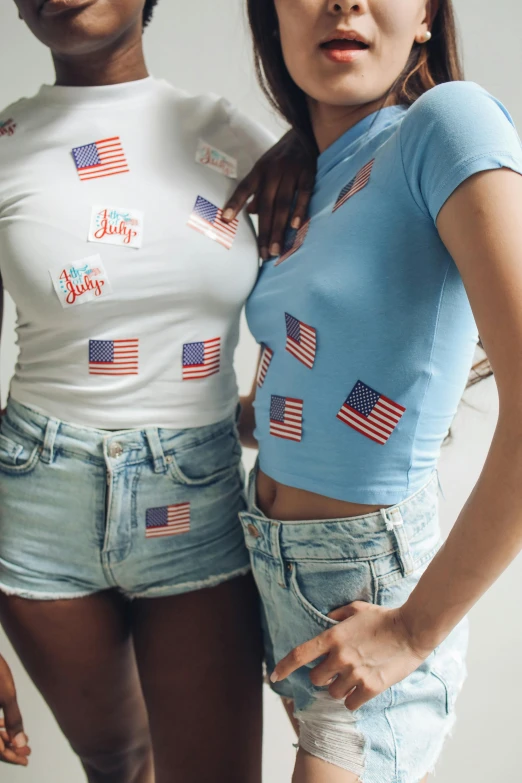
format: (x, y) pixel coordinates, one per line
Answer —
(322, 586)
(18, 455)
(206, 463)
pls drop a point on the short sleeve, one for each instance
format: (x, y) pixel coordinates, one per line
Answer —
(453, 131)
(253, 137)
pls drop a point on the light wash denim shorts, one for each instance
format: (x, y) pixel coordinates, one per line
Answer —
(150, 512)
(303, 571)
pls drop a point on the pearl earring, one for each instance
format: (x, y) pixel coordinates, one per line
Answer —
(426, 37)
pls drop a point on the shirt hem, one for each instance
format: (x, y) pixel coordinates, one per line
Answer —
(185, 423)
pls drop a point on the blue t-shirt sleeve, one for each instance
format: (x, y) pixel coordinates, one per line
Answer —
(454, 131)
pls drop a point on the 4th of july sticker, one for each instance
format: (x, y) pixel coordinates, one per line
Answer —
(115, 226)
(81, 281)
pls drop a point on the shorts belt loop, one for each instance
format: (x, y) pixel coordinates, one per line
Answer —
(395, 524)
(156, 449)
(51, 431)
(275, 546)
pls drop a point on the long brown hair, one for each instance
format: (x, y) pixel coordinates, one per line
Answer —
(437, 62)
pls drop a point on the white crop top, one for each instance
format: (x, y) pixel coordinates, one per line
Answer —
(128, 286)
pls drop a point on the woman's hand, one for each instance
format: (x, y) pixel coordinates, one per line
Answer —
(281, 183)
(367, 652)
(13, 742)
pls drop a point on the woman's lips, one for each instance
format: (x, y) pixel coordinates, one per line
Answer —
(51, 7)
(342, 50)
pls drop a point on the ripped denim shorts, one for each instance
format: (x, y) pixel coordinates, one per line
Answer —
(150, 512)
(303, 571)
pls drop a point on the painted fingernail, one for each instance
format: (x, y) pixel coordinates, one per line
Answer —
(20, 741)
(228, 214)
(275, 249)
(296, 222)
(274, 677)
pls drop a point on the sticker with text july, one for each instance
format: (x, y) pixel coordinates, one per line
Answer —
(215, 159)
(7, 127)
(81, 282)
(113, 226)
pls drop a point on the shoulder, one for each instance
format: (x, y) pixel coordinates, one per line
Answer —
(15, 120)
(453, 106)
(215, 120)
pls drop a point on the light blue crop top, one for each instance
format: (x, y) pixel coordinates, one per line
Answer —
(367, 333)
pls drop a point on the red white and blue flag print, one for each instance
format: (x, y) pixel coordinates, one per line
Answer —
(100, 159)
(200, 360)
(355, 185)
(301, 340)
(167, 520)
(113, 357)
(371, 413)
(286, 418)
(208, 220)
(264, 364)
(294, 241)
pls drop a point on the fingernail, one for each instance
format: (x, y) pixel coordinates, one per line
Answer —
(264, 253)
(20, 741)
(228, 214)
(275, 249)
(332, 679)
(274, 677)
(296, 222)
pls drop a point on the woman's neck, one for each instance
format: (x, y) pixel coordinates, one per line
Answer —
(329, 123)
(121, 61)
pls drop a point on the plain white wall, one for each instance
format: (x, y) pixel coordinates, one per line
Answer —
(204, 47)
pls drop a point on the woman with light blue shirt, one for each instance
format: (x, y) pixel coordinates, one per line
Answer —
(368, 325)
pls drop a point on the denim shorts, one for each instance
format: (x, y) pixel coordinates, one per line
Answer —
(303, 571)
(150, 512)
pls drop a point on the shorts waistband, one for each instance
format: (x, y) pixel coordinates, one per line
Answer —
(370, 535)
(96, 445)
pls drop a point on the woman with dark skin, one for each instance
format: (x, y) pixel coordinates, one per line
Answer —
(138, 700)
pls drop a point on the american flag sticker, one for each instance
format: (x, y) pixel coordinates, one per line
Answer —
(294, 241)
(208, 220)
(113, 357)
(167, 520)
(7, 127)
(371, 413)
(355, 185)
(286, 418)
(200, 360)
(264, 364)
(301, 340)
(100, 159)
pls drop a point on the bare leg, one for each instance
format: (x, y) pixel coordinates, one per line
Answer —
(309, 769)
(80, 657)
(200, 657)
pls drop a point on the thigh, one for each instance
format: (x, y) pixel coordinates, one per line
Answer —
(310, 769)
(79, 655)
(200, 662)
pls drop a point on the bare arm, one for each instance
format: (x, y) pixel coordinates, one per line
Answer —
(480, 226)
(247, 422)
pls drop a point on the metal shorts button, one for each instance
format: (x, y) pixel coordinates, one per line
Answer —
(115, 450)
(252, 529)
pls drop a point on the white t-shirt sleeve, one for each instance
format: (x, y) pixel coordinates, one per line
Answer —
(253, 137)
